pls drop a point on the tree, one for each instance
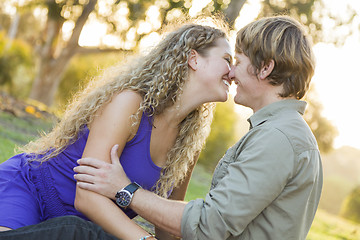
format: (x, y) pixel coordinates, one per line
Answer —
(83, 68)
(312, 13)
(127, 21)
(351, 206)
(324, 131)
(222, 135)
(15, 59)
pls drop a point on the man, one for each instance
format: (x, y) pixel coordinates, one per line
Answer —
(268, 185)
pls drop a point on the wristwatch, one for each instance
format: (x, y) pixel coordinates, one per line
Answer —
(124, 196)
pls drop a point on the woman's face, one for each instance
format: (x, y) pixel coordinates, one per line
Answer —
(214, 70)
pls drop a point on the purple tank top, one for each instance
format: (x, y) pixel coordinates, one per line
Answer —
(54, 180)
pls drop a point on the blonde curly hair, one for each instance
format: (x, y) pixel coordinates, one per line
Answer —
(158, 77)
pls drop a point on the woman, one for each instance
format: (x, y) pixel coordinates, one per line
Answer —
(160, 109)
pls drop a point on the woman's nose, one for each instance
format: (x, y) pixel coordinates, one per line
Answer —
(231, 73)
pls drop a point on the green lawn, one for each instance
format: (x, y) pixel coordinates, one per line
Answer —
(16, 131)
(325, 226)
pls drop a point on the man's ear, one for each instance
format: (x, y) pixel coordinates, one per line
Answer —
(192, 61)
(266, 69)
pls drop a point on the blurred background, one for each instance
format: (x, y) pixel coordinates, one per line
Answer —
(50, 49)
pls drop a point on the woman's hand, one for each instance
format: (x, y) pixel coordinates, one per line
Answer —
(101, 177)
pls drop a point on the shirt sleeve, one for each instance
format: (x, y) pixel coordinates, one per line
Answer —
(251, 176)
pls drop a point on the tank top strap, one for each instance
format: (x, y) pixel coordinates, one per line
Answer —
(144, 130)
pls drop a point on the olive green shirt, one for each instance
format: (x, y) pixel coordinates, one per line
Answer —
(267, 186)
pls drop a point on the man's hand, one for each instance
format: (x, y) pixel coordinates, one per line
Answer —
(101, 177)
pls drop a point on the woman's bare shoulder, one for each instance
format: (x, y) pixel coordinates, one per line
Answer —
(129, 98)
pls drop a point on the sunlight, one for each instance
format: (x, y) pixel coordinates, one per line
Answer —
(67, 29)
(335, 78)
(197, 6)
(337, 87)
(248, 13)
(149, 41)
(92, 33)
(153, 17)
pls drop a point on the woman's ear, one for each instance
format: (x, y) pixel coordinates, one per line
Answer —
(266, 69)
(192, 61)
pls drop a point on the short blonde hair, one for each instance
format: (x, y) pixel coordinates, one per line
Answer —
(283, 40)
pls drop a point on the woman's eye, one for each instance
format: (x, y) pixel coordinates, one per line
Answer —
(228, 60)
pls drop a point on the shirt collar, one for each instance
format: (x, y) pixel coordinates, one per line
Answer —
(266, 112)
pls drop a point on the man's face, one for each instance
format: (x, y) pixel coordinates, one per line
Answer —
(249, 91)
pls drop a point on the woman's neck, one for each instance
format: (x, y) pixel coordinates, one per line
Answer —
(186, 102)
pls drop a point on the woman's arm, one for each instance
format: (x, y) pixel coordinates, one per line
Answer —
(105, 178)
(160, 211)
(112, 125)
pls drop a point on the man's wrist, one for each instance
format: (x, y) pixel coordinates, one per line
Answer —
(124, 196)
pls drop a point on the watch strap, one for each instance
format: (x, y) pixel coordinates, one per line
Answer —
(132, 187)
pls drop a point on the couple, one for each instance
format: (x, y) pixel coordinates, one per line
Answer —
(157, 112)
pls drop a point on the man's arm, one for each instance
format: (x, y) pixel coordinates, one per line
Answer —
(164, 213)
(246, 183)
(93, 175)
(178, 193)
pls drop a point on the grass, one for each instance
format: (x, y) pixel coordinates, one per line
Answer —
(326, 226)
(331, 227)
(18, 131)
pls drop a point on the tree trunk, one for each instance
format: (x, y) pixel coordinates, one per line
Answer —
(48, 79)
(233, 10)
(51, 65)
(13, 30)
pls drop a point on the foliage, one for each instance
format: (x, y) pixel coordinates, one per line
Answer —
(331, 227)
(331, 200)
(313, 13)
(351, 206)
(324, 131)
(199, 183)
(59, 25)
(128, 22)
(16, 64)
(81, 69)
(341, 175)
(18, 131)
(301, 10)
(325, 226)
(222, 136)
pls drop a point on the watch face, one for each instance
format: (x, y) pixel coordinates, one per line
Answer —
(123, 198)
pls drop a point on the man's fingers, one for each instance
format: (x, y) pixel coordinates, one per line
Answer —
(83, 169)
(84, 178)
(91, 162)
(86, 186)
(114, 154)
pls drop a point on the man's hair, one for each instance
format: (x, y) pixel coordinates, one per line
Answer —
(283, 40)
